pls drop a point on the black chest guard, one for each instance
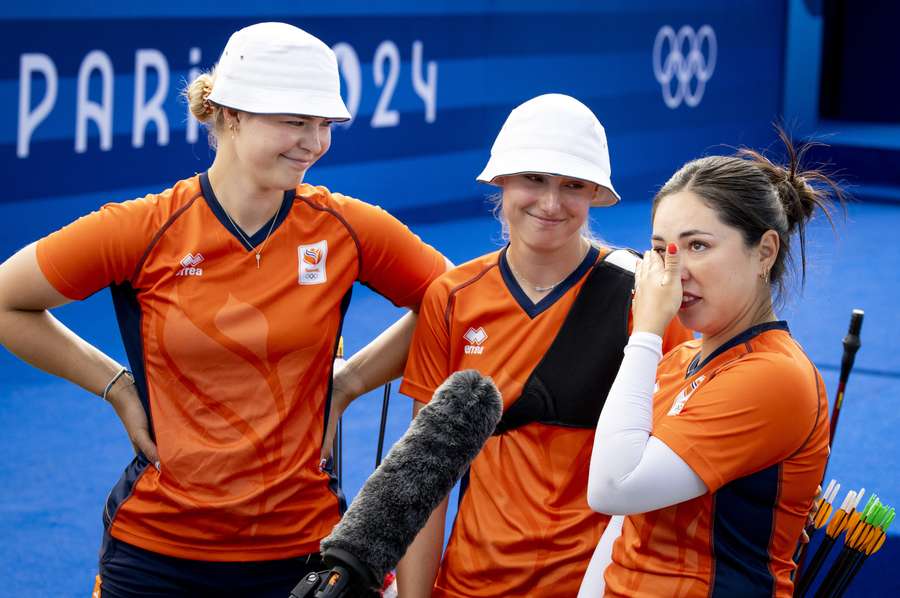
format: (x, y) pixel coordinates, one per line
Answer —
(569, 385)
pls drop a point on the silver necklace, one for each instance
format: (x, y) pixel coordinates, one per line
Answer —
(537, 288)
(246, 240)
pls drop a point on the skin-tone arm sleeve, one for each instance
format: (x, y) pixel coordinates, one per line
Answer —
(631, 471)
(593, 583)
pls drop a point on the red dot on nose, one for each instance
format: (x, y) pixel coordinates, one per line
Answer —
(672, 248)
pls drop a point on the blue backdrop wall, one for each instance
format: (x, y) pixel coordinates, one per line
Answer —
(91, 104)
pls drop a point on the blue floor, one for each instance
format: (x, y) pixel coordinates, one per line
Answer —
(63, 449)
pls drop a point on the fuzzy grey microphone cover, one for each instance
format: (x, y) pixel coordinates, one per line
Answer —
(418, 472)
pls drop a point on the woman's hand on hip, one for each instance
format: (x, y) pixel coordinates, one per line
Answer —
(125, 400)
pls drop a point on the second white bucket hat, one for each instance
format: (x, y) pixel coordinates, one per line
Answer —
(553, 134)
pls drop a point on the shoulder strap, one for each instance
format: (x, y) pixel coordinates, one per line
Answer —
(569, 385)
(626, 259)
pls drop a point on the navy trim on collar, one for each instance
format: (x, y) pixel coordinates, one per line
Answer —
(695, 365)
(259, 236)
(535, 309)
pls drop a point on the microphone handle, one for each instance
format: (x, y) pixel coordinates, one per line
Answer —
(334, 583)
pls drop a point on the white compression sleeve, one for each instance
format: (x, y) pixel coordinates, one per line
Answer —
(632, 472)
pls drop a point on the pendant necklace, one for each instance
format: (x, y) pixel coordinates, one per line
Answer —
(538, 288)
(247, 241)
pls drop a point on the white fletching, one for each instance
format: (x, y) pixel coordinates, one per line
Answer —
(827, 495)
(849, 501)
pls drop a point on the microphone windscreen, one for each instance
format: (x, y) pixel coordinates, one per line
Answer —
(419, 471)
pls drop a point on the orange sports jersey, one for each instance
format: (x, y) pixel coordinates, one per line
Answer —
(523, 527)
(232, 358)
(752, 422)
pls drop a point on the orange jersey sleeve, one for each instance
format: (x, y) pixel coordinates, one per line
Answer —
(98, 249)
(428, 364)
(734, 423)
(394, 261)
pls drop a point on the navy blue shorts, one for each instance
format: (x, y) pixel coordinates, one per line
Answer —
(127, 571)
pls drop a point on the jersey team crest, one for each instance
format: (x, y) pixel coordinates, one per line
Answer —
(311, 260)
(312, 256)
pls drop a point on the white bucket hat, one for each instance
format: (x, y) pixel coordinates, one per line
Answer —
(554, 134)
(276, 68)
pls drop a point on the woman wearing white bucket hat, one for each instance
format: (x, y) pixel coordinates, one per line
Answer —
(547, 318)
(230, 289)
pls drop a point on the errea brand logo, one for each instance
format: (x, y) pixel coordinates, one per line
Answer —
(189, 265)
(475, 338)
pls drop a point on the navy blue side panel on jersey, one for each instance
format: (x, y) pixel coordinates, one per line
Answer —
(743, 520)
(128, 314)
(120, 492)
(331, 468)
(334, 484)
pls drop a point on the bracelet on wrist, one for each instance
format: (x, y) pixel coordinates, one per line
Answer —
(122, 372)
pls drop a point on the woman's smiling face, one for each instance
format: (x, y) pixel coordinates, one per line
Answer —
(276, 150)
(545, 212)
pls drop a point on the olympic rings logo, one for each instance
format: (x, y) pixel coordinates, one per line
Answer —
(684, 66)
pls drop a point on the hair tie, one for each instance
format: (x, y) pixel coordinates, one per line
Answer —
(207, 89)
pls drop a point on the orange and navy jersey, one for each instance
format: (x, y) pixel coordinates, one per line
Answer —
(232, 355)
(523, 527)
(752, 422)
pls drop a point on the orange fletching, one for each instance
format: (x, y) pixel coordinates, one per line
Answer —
(837, 524)
(822, 514)
(878, 543)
